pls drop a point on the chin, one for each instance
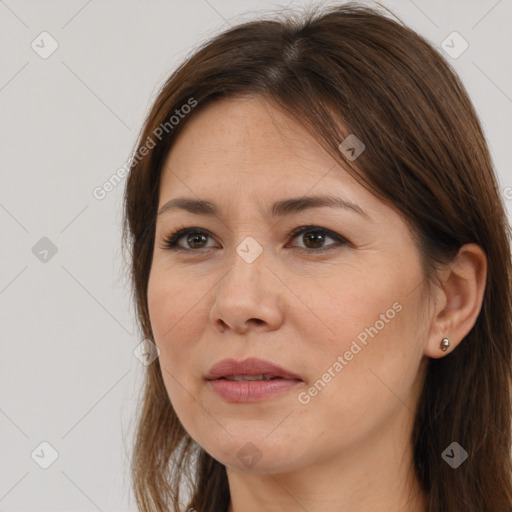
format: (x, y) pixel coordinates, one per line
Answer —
(256, 456)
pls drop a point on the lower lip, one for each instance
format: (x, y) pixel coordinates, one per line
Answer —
(253, 390)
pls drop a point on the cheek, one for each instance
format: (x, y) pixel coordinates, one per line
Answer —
(165, 313)
(160, 295)
(178, 316)
(169, 316)
(354, 306)
(375, 366)
(371, 345)
(171, 302)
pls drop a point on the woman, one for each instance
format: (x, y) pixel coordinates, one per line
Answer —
(321, 255)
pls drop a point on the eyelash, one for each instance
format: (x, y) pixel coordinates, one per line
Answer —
(171, 241)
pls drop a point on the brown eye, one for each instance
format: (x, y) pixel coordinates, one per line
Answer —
(314, 238)
(195, 239)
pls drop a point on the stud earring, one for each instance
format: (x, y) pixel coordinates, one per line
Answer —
(445, 344)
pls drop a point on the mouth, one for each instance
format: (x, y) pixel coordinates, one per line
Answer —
(250, 380)
(248, 370)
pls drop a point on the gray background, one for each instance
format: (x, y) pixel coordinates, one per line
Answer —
(68, 374)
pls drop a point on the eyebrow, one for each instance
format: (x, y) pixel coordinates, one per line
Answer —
(278, 209)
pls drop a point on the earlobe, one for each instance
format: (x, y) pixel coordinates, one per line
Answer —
(462, 292)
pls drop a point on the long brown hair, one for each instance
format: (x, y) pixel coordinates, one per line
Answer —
(343, 70)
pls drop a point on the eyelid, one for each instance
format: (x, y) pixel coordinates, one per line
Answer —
(174, 237)
(341, 240)
(171, 240)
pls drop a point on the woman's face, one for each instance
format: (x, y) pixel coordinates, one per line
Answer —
(340, 306)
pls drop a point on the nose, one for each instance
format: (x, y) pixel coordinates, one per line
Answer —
(247, 297)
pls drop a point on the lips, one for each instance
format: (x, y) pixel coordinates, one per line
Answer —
(252, 368)
(251, 380)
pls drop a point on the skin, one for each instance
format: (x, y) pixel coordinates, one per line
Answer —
(347, 449)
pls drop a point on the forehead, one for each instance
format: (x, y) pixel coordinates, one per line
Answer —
(249, 140)
(244, 156)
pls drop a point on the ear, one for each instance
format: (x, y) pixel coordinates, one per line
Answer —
(458, 301)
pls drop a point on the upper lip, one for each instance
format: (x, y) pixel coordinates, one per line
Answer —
(250, 366)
